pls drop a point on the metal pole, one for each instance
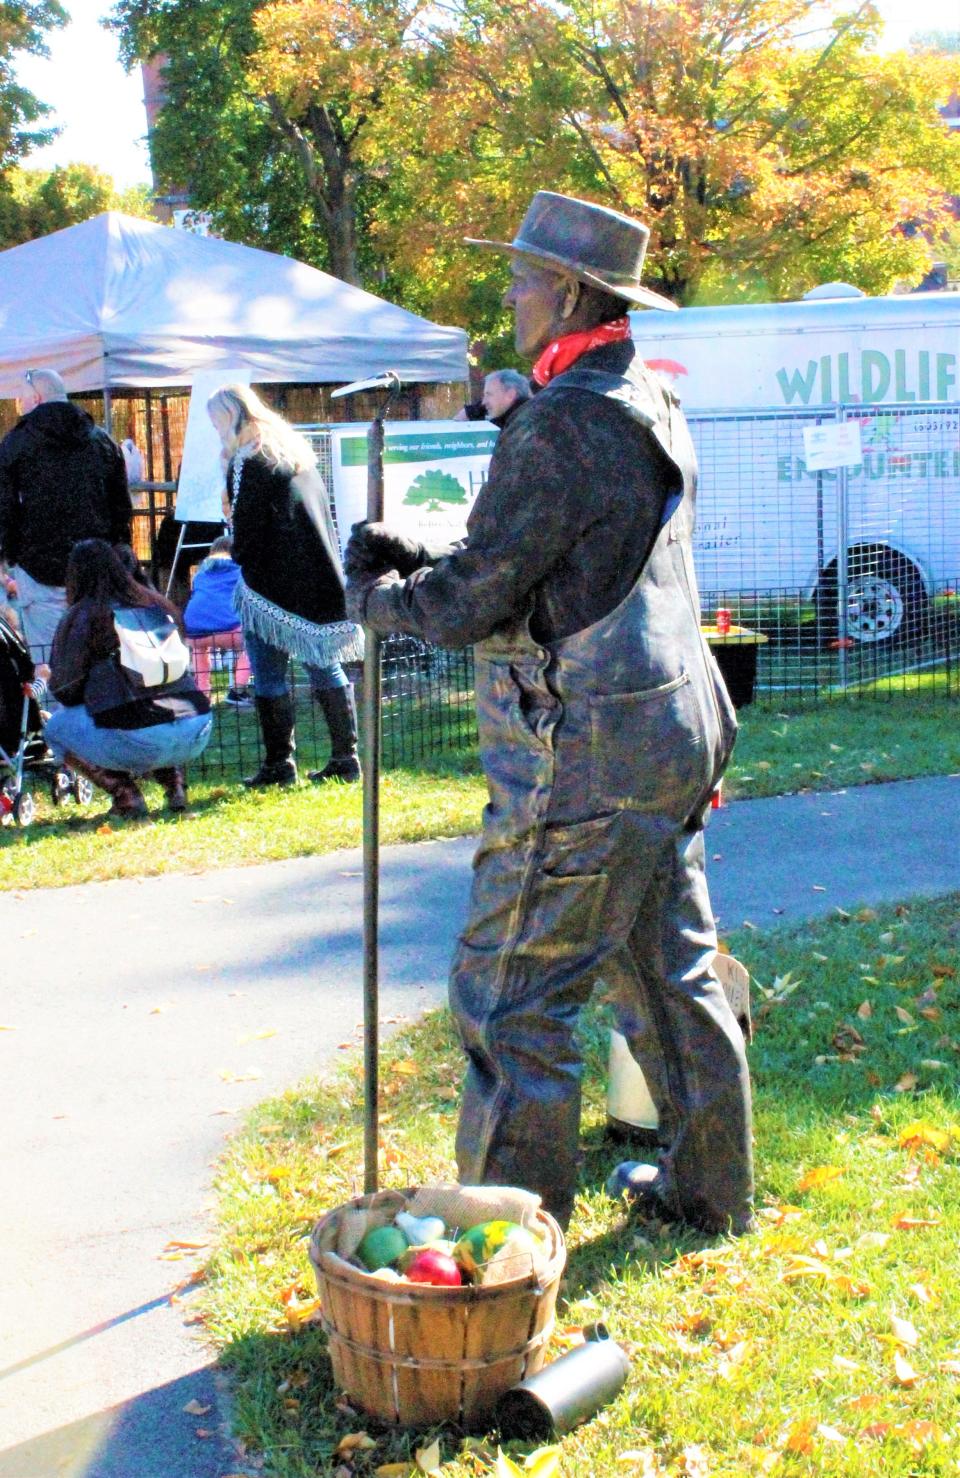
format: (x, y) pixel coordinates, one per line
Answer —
(371, 838)
(842, 573)
(107, 411)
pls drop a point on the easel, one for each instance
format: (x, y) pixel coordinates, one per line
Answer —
(181, 546)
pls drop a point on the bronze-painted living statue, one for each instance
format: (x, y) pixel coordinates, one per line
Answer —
(604, 730)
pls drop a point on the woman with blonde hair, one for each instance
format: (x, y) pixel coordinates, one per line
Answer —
(290, 596)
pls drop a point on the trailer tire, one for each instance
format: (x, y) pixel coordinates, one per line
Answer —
(886, 599)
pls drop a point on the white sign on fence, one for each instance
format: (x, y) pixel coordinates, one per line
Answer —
(432, 472)
(836, 444)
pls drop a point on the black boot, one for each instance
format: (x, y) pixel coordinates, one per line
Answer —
(340, 712)
(276, 725)
(174, 788)
(127, 802)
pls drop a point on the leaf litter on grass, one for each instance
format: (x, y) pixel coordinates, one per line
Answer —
(822, 1343)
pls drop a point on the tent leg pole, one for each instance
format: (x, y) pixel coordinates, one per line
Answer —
(107, 411)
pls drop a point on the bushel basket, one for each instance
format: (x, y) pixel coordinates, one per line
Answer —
(414, 1354)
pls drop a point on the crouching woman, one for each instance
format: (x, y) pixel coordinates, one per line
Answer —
(113, 727)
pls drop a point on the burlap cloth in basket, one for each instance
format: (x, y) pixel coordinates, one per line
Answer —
(461, 1208)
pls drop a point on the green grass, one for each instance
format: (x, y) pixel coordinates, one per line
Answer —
(839, 744)
(774, 1354)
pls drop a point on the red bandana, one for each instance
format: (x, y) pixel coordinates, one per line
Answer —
(561, 354)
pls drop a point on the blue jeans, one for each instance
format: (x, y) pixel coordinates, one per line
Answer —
(134, 751)
(41, 607)
(270, 664)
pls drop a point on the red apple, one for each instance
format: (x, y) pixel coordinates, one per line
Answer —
(432, 1266)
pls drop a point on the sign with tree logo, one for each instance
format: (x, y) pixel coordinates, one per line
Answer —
(432, 472)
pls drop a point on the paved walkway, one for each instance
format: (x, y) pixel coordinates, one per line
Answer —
(148, 1015)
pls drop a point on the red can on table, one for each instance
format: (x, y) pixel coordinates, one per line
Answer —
(723, 619)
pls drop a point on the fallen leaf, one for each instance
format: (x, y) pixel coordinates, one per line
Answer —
(643, 1457)
(800, 1437)
(842, 1363)
(865, 1011)
(920, 1133)
(408, 1068)
(853, 1287)
(354, 1442)
(544, 1463)
(298, 1314)
(903, 1015)
(428, 1458)
(903, 1371)
(194, 1408)
(694, 1462)
(906, 1223)
(270, 1031)
(922, 1293)
(733, 1358)
(906, 1083)
(176, 1245)
(873, 1239)
(904, 1332)
(506, 1467)
(918, 1432)
(949, 1367)
(393, 1470)
(864, 1402)
(819, 1176)
(829, 1434)
(943, 972)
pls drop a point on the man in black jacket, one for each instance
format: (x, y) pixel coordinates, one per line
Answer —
(62, 479)
(604, 729)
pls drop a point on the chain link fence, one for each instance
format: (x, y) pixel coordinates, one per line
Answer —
(848, 578)
(843, 583)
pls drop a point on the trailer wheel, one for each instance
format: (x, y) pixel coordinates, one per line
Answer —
(886, 599)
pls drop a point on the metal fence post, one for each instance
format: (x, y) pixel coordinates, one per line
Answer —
(843, 524)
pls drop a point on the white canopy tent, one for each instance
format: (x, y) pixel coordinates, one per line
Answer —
(122, 302)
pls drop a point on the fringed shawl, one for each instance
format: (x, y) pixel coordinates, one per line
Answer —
(319, 645)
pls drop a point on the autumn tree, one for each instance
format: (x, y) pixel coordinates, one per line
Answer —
(24, 25)
(268, 108)
(768, 146)
(45, 200)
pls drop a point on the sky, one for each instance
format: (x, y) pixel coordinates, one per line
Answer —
(100, 107)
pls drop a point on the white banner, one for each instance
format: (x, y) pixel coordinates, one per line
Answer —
(432, 472)
(201, 482)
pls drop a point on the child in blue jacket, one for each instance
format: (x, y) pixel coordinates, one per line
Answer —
(212, 624)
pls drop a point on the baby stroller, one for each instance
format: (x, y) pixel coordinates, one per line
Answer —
(23, 754)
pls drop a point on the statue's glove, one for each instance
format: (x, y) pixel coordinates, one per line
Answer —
(359, 589)
(373, 548)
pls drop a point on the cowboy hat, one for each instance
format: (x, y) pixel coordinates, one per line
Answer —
(598, 246)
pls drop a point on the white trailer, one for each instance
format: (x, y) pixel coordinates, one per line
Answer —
(751, 378)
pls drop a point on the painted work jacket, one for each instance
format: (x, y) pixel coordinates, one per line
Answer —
(577, 585)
